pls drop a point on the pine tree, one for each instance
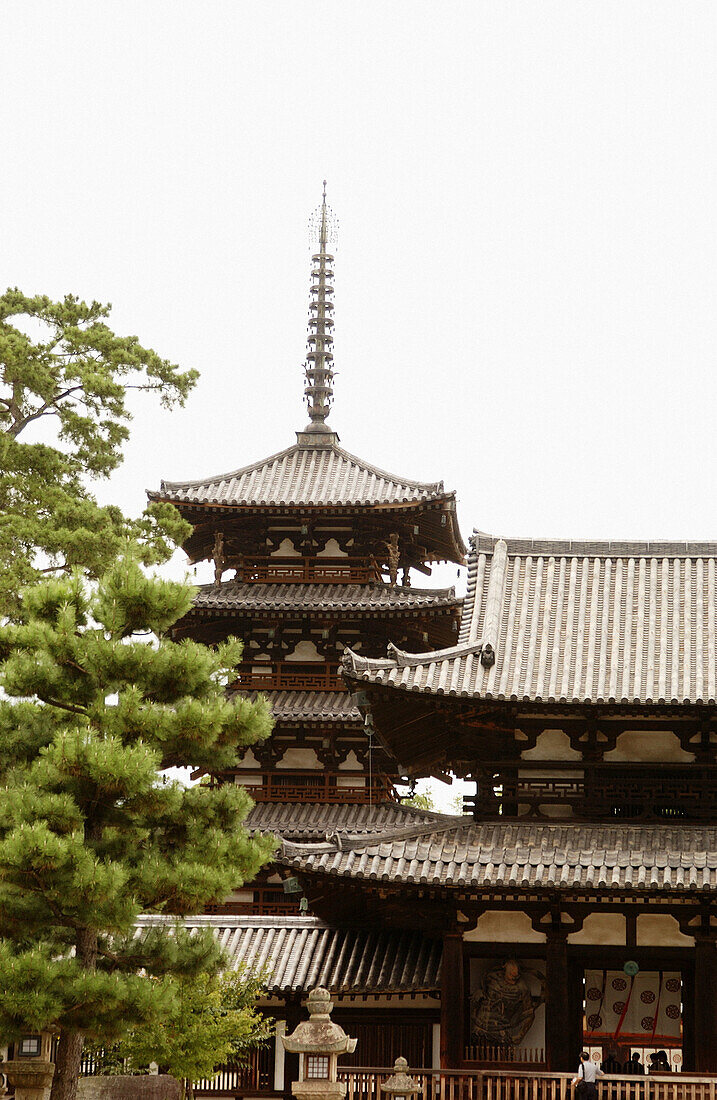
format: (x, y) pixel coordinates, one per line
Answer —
(64, 377)
(98, 703)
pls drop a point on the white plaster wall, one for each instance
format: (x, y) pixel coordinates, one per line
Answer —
(297, 759)
(332, 550)
(557, 812)
(435, 1046)
(501, 926)
(305, 651)
(286, 549)
(279, 1055)
(248, 760)
(601, 929)
(551, 745)
(661, 930)
(658, 746)
(240, 895)
(351, 763)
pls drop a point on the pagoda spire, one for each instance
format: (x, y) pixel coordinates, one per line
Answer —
(318, 369)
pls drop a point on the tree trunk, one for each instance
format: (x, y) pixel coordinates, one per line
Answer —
(67, 1066)
(69, 1051)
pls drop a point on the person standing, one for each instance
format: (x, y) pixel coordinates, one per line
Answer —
(586, 1077)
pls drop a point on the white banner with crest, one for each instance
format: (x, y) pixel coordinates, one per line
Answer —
(642, 1009)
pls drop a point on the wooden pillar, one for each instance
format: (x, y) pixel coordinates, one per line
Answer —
(452, 1007)
(557, 1007)
(705, 1005)
(291, 1061)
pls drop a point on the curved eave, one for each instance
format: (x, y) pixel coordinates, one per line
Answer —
(538, 701)
(668, 707)
(298, 476)
(539, 857)
(358, 599)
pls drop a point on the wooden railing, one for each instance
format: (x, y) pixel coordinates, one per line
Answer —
(270, 570)
(284, 675)
(363, 1083)
(620, 792)
(495, 1055)
(284, 786)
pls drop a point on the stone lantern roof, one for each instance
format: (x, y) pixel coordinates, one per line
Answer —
(319, 1034)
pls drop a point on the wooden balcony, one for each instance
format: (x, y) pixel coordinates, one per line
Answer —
(282, 675)
(268, 570)
(269, 902)
(624, 792)
(286, 786)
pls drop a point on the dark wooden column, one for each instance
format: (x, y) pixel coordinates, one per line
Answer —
(557, 1007)
(452, 1007)
(294, 1015)
(705, 1005)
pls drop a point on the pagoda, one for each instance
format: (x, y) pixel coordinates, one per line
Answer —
(314, 550)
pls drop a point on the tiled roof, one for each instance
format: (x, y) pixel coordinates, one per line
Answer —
(547, 621)
(311, 819)
(300, 953)
(314, 598)
(302, 475)
(311, 706)
(520, 856)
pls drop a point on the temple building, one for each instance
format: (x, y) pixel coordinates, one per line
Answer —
(572, 905)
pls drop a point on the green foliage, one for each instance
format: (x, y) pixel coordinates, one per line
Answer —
(422, 800)
(64, 377)
(212, 1020)
(456, 806)
(97, 703)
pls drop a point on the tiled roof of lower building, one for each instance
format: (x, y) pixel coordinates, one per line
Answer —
(628, 623)
(300, 953)
(312, 706)
(307, 819)
(315, 598)
(516, 856)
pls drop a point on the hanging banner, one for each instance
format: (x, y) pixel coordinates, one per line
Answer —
(645, 1008)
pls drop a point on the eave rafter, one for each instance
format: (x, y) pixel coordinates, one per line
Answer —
(451, 732)
(437, 539)
(436, 909)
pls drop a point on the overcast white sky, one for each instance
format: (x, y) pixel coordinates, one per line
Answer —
(527, 262)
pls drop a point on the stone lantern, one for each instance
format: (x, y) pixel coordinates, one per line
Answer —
(31, 1071)
(318, 1042)
(399, 1083)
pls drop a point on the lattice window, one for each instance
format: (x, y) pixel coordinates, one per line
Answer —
(317, 1067)
(29, 1046)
